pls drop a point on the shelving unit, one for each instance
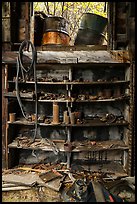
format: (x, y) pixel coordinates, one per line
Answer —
(98, 92)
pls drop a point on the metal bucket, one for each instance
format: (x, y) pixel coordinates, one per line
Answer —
(92, 30)
(89, 37)
(94, 22)
(55, 31)
(55, 38)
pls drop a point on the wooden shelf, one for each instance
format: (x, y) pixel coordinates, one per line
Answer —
(113, 168)
(100, 146)
(75, 83)
(76, 146)
(81, 67)
(65, 57)
(89, 123)
(30, 98)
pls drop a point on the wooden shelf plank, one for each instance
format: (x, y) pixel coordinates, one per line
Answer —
(63, 57)
(89, 123)
(75, 83)
(77, 146)
(113, 168)
(29, 98)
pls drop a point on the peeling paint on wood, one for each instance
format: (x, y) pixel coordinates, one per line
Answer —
(67, 57)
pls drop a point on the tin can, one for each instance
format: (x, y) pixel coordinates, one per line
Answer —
(12, 117)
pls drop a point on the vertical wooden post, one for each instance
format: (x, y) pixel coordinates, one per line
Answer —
(4, 115)
(131, 124)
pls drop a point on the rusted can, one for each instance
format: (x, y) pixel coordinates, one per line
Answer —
(33, 117)
(12, 117)
(65, 114)
(72, 118)
(67, 120)
(55, 113)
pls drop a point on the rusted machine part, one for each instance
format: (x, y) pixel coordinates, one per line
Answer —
(55, 38)
(109, 118)
(68, 146)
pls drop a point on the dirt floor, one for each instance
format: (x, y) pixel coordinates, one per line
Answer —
(34, 194)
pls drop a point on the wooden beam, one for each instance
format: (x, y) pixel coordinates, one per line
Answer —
(67, 57)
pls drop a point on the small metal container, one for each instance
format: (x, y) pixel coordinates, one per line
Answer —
(12, 117)
(72, 118)
(33, 117)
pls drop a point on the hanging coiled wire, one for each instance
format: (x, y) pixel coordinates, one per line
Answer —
(20, 68)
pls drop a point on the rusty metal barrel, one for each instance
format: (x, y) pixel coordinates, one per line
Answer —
(92, 30)
(55, 31)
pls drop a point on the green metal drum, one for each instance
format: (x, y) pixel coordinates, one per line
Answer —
(93, 21)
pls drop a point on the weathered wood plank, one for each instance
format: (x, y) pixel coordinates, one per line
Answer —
(71, 48)
(64, 57)
(23, 179)
(15, 188)
(77, 146)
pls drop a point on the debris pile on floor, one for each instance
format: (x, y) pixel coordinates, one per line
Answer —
(72, 185)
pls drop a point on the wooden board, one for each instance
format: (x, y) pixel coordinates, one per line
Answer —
(63, 57)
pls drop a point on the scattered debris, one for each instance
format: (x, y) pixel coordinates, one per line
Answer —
(72, 185)
(50, 175)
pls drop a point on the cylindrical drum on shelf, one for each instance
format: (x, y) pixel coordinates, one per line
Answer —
(67, 119)
(55, 113)
(12, 117)
(72, 118)
(65, 114)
